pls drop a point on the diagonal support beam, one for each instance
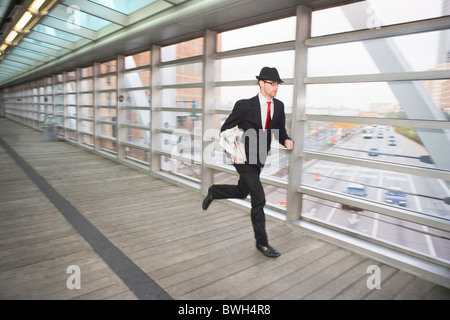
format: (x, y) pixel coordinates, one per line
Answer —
(412, 95)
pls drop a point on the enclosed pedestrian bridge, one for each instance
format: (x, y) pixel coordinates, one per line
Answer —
(110, 114)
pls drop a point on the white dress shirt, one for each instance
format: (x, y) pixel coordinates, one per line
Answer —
(263, 103)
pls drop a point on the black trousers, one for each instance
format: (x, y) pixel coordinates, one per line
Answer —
(249, 183)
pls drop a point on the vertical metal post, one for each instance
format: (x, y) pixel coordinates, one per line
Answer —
(78, 106)
(207, 176)
(96, 106)
(54, 85)
(155, 108)
(2, 104)
(120, 120)
(65, 114)
(294, 199)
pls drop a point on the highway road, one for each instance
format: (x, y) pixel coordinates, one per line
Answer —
(423, 195)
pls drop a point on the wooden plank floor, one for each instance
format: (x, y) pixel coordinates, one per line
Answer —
(188, 252)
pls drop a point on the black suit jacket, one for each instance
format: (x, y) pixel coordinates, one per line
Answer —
(246, 115)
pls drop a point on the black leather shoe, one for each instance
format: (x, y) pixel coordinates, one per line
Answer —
(208, 199)
(268, 251)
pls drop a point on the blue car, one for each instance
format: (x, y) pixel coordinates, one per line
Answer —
(392, 141)
(395, 197)
(354, 190)
(373, 152)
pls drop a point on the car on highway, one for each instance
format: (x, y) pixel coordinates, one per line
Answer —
(367, 132)
(392, 141)
(380, 135)
(373, 152)
(394, 196)
(357, 190)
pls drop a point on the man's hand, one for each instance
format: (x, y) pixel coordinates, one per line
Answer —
(289, 144)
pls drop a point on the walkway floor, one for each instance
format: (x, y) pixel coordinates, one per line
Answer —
(133, 236)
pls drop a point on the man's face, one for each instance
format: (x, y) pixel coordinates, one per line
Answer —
(269, 89)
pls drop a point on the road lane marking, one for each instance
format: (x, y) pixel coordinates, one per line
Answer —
(428, 239)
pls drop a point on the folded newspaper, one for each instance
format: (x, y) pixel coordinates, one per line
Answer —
(231, 141)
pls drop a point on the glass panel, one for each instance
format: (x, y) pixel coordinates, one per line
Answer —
(71, 75)
(402, 145)
(60, 110)
(72, 135)
(87, 140)
(378, 13)
(416, 193)
(59, 99)
(266, 33)
(138, 98)
(108, 83)
(71, 99)
(87, 72)
(71, 123)
(182, 98)
(379, 99)
(137, 154)
(71, 86)
(87, 113)
(181, 50)
(248, 67)
(87, 99)
(108, 114)
(188, 73)
(183, 121)
(138, 117)
(425, 240)
(137, 60)
(87, 126)
(57, 33)
(83, 19)
(108, 146)
(182, 143)
(415, 52)
(180, 167)
(138, 136)
(108, 98)
(108, 67)
(71, 111)
(124, 6)
(108, 130)
(137, 79)
(59, 88)
(42, 44)
(87, 85)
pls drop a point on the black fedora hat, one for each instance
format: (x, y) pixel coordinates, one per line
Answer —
(269, 74)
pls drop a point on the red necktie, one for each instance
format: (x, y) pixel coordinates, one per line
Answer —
(268, 118)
